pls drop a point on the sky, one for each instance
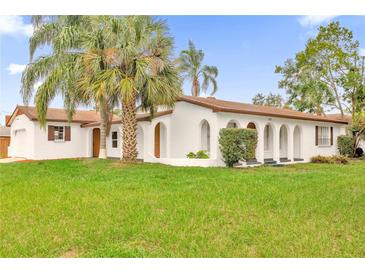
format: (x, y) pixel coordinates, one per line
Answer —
(245, 49)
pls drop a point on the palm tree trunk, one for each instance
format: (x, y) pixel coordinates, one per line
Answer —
(103, 130)
(195, 87)
(129, 127)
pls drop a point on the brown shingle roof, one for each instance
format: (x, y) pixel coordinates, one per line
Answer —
(235, 107)
(58, 115)
(87, 118)
(140, 117)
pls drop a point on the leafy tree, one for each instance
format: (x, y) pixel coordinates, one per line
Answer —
(103, 60)
(191, 67)
(73, 39)
(259, 99)
(273, 100)
(315, 79)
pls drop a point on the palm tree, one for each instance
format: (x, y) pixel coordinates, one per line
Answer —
(190, 64)
(103, 60)
(144, 72)
(68, 70)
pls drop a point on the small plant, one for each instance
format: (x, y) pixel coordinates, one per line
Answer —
(344, 145)
(202, 154)
(335, 159)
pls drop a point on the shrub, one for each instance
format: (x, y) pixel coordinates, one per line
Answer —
(344, 145)
(335, 159)
(202, 154)
(237, 144)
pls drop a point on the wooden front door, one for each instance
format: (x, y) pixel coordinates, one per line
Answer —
(4, 143)
(96, 142)
(157, 140)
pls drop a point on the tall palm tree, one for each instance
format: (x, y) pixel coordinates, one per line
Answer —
(190, 64)
(67, 70)
(144, 72)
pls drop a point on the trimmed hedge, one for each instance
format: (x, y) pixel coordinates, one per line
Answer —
(237, 144)
(335, 159)
(344, 145)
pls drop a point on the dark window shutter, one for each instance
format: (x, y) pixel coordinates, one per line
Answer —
(331, 136)
(316, 135)
(50, 133)
(67, 133)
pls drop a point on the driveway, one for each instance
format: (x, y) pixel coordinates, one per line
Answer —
(11, 160)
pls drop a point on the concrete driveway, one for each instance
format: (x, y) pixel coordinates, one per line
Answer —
(11, 160)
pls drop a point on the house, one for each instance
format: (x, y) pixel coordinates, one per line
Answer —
(284, 136)
(4, 141)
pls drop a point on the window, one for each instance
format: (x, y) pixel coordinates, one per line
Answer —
(58, 133)
(323, 136)
(115, 139)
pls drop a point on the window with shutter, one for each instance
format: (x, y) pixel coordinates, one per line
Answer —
(67, 133)
(50, 133)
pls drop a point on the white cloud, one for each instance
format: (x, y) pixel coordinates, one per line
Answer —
(314, 20)
(15, 68)
(362, 52)
(37, 84)
(14, 25)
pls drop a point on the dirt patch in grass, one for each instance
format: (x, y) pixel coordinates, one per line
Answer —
(71, 253)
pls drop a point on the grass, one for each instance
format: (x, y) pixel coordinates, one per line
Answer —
(95, 208)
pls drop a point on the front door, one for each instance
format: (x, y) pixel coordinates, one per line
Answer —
(157, 140)
(96, 142)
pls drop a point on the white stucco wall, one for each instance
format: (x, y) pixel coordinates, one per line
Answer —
(44, 149)
(307, 128)
(22, 138)
(181, 134)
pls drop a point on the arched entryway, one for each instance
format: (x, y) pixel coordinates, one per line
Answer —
(268, 142)
(283, 143)
(232, 124)
(297, 144)
(140, 143)
(251, 125)
(205, 136)
(96, 142)
(160, 140)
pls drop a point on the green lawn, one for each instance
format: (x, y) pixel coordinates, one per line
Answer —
(95, 208)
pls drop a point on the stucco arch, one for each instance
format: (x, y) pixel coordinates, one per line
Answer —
(233, 123)
(204, 135)
(297, 143)
(252, 125)
(284, 142)
(160, 140)
(269, 133)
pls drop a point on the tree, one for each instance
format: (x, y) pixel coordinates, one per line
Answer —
(273, 100)
(68, 70)
(143, 71)
(314, 80)
(259, 99)
(191, 67)
(104, 60)
(328, 73)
